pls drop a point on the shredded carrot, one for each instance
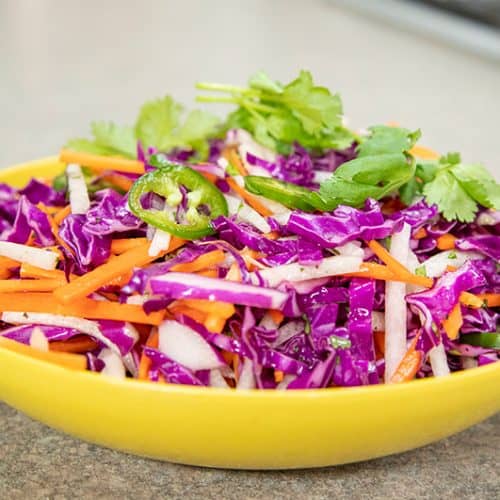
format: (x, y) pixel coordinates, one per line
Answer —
(145, 362)
(214, 323)
(100, 163)
(453, 322)
(196, 314)
(278, 376)
(234, 273)
(424, 153)
(232, 156)
(396, 267)
(221, 309)
(39, 302)
(379, 341)
(76, 345)
(29, 285)
(273, 235)
(254, 202)
(276, 315)
(420, 233)
(451, 269)
(208, 273)
(471, 300)
(30, 271)
(6, 263)
(236, 366)
(209, 259)
(121, 245)
(372, 270)
(446, 242)
(409, 365)
(491, 299)
(68, 360)
(62, 214)
(209, 177)
(121, 280)
(48, 210)
(103, 274)
(121, 182)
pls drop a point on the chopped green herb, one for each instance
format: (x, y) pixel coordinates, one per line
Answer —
(339, 342)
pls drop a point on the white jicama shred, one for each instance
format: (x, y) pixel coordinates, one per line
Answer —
(378, 321)
(82, 325)
(331, 266)
(282, 217)
(350, 249)
(436, 265)
(113, 366)
(39, 257)
(468, 363)
(159, 243)
(38, 340)
(439, 361)
(248, 214)
(185, 346)
(217, 380)
(395, 306)
(284, 383)
(247, 377)
(233, 204)
(78, 193)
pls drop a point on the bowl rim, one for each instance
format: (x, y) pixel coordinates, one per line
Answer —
(328, 392)
(190, 390)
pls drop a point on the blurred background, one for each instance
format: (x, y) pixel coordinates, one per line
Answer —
(428, 64)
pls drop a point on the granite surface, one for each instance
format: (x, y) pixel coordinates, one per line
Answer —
(63, 64)
(37, 463)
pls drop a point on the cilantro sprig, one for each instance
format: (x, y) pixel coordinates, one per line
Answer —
(456, 188)
(279, 115)
(159, 124)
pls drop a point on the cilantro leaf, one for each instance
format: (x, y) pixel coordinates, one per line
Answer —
(109, 139)
(479, 184)
(314, 107)
(156, 121)
(159, 125)
(384, 139)
(453, 201)
(278, 116)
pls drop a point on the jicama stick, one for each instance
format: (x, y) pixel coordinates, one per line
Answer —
(77, 188)
(40, 257)
(395, 304)
(249, 198)
(439, 361)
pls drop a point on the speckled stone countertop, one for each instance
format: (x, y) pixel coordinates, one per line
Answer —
(63, 64)
(37, 463)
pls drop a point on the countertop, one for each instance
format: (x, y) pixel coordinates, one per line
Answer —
(63, 64)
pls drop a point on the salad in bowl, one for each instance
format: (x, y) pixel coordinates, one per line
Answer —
(275, 249)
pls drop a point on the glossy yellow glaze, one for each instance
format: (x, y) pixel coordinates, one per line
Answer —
(246, 429)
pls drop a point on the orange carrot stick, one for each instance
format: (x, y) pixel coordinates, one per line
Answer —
(424, 153)
(278, 376)
(208, 259)
(75, 345)
(409, 365)
(72, 361)
(222, 309)
(196, 314)
(396, 267)
(276, 315)
(121, 245)
(98, 162)
(30, 271)
(209, 273)
(231, 155)
(379, 341)
(41, 285)
(372, 270)
(453, 322)
(119, 181)
(100, 276)
(6, 263)
(491, 299)
(145, 362)
(471, 300)
(446, 242)
(39, 302)
(214, 323)
(62, 214)
(249, 198)
(420, 233)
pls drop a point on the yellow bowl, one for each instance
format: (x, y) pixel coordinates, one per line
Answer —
(243, 429)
